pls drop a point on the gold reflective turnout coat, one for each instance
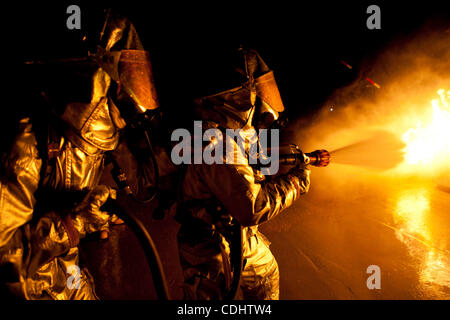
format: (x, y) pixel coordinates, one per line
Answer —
(215, 194)
(237, 191)
(39, 248)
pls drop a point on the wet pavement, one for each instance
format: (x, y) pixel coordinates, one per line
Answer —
(352, 218)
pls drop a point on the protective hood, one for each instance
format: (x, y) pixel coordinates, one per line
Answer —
(235, 108)
(90, 126)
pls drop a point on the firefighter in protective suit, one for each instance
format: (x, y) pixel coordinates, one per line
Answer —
(50, 196)
(217, 197)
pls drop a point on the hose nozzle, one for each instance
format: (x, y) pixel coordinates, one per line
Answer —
(318, 158)
(292, 155)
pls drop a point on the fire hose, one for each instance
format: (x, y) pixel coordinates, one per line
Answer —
(133, 222)
(291, 155)
(139, 230)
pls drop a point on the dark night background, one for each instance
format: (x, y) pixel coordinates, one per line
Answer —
(302, 41)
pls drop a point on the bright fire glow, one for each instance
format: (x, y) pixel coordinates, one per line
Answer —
(429, 143)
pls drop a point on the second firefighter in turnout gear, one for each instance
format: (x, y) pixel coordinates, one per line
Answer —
(217, 197)
(49, 190)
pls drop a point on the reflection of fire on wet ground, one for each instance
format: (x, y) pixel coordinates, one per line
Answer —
(413, 217)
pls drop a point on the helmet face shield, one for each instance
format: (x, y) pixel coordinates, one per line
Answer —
(136, 78)
(267, 91)
(271, 104)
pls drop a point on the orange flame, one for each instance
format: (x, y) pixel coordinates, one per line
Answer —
(429, 143)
